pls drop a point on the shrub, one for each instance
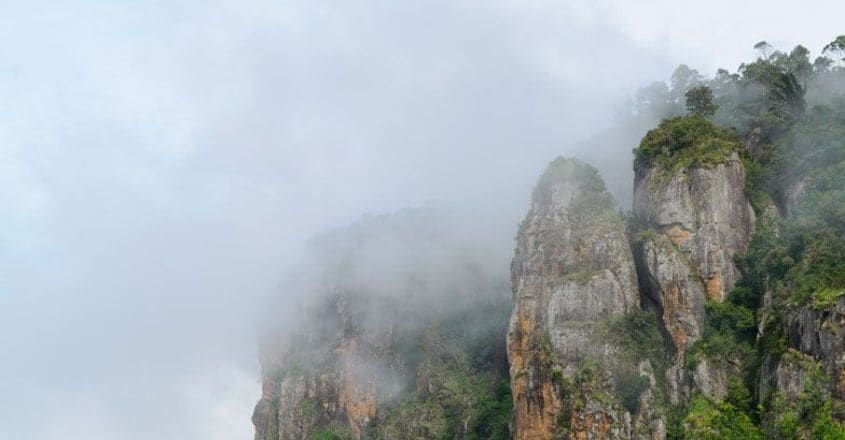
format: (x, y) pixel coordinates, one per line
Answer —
(638, 334)
(706, 420)
(629, 385)
(493, 414)
(687, 141)
(330, 433)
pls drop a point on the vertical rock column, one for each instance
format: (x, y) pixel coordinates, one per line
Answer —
(692, 222)
(573, 269)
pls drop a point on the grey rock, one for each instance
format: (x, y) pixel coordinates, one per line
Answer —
(711, 377)
(821, 333)
(694, 222)
(573, 270)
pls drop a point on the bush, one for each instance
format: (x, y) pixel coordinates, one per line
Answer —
(706, 420)
(811, 412)
(493, 415)
(629, 385)
(687, 141)
(330, 433)
(638, 338)
(638, 334)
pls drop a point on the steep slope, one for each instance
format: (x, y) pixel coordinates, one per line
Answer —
(755, 320)
(696, 318)
(693, 218)
(802, 380)
(573, 273)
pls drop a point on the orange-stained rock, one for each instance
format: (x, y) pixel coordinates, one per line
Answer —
(714, 287)
(572, 271)
(699, 219)
(371, 348)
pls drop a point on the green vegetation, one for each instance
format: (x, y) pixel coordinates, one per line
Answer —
(687, 141)
(825, 298)
(330, 433)
(594, 198)
(416, 417)
(700, 101)
(629, 385)
(580, 277)
(564, 169)
(305, 357)
(706, 420)
(481, 399)
(808, 415)
(461, 358)
(493, 414)
(589, 383)
(785, 117)
(729, 333)
(636, 336)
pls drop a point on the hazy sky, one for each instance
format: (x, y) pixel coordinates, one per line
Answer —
(162, 161)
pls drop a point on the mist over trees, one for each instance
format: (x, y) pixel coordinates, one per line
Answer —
(790, 113)
(700, 101)
(419, 293)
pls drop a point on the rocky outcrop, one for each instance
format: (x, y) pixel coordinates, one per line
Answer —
(820, 332)
(692, 222)
(572, 272)
(704, 212)
(398, 334)
(710, 377)
(332, 376)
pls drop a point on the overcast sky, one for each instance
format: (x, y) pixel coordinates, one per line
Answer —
(161, 162)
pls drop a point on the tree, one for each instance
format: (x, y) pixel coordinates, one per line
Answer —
(683, 79)
(786, 97)
(652, 99)
(700, 101)
(724, 83)
(764, 49)
(798, 64)
(822, 64)
(836, 48)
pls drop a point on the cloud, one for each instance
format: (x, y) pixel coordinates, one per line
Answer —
(161, 163)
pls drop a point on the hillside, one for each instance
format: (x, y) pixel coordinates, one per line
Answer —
(713, 309)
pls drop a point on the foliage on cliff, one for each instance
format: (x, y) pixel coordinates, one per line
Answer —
(785, 116)
(462, 387)
(687, 141)
(399, 334)
(592, 198)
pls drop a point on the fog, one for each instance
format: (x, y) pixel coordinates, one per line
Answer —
(162, 164)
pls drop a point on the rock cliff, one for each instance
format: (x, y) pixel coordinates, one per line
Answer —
(812, 369)
(398, 333)
(572, 274)
(820, 332)
(692, 218)
(690, 318)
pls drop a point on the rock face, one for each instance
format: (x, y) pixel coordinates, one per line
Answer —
(692, 223)
(820, 333)
(332, 376)
(398, 334)
(573, 270)
(702, 211)
(711, 378)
